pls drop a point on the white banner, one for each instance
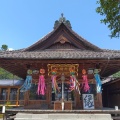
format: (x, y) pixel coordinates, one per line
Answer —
(88, 101)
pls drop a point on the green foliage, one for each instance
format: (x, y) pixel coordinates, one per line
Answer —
(116, 75)
(110, 9)
(4, 47)
(6, 75)
(7, 105)
(3, 73)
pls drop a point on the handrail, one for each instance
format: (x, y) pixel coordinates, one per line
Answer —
(11, 105)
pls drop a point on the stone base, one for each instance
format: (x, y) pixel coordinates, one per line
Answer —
(28, 116)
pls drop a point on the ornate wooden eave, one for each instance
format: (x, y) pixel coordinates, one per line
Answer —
(18, 66)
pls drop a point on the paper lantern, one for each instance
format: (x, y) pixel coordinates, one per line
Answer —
(42, 71)
(96, 71)
(35, 71)
(83, 71)
(72, 71)
(54, 71)
(29, 72)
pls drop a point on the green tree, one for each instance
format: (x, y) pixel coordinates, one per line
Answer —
(7, 75)
(4, 47)
(117, 75)
(110, 9)
(3, 73)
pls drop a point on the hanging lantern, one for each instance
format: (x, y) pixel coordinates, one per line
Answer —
(29, 72)
(83, 71)
(54, 81)
(98, 80)
(42, 71)
(27, 84)
(72, 71)
(54, 71)
(85, 86)
(41, 84)
(96, 71)
(74, 84)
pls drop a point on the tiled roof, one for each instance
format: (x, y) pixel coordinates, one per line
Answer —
(61, 54)
(83, 40)
(40, 41)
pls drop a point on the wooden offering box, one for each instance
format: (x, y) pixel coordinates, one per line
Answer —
(67, 105)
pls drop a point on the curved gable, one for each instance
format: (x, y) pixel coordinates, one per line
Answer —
(62, 38)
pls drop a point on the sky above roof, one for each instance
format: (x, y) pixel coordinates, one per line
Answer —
(24, 22)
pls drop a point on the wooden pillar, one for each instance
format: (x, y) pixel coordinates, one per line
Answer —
(49, 95)
(0, 93)
(26, 98)
(8, 94)
(108, 97)
(77, 99)
(98, 102)
(17, 100)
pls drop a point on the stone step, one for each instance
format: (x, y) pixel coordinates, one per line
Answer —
(62, 116)
(52, 119)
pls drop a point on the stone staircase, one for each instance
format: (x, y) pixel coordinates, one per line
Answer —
(62, 116)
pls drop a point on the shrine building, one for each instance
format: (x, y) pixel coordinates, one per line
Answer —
(61, 71)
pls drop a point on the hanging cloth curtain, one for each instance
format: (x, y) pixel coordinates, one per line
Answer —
(27, 84)
(54, 83)
(74, 84)
(85, 85)
(41, 85)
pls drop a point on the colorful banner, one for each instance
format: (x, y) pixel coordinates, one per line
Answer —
(41, 85)
(27, 84)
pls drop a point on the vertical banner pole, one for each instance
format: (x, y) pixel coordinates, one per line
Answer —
(3, 111)
(62, 78)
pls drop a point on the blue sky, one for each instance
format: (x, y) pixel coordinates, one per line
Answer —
(24, 22)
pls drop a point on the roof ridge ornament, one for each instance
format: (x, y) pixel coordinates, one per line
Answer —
(62, 19)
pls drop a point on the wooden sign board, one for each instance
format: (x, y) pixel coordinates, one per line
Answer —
(88, 101)
(63, 68)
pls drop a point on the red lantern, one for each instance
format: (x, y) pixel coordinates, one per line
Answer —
(83, 71)
(42, 71)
